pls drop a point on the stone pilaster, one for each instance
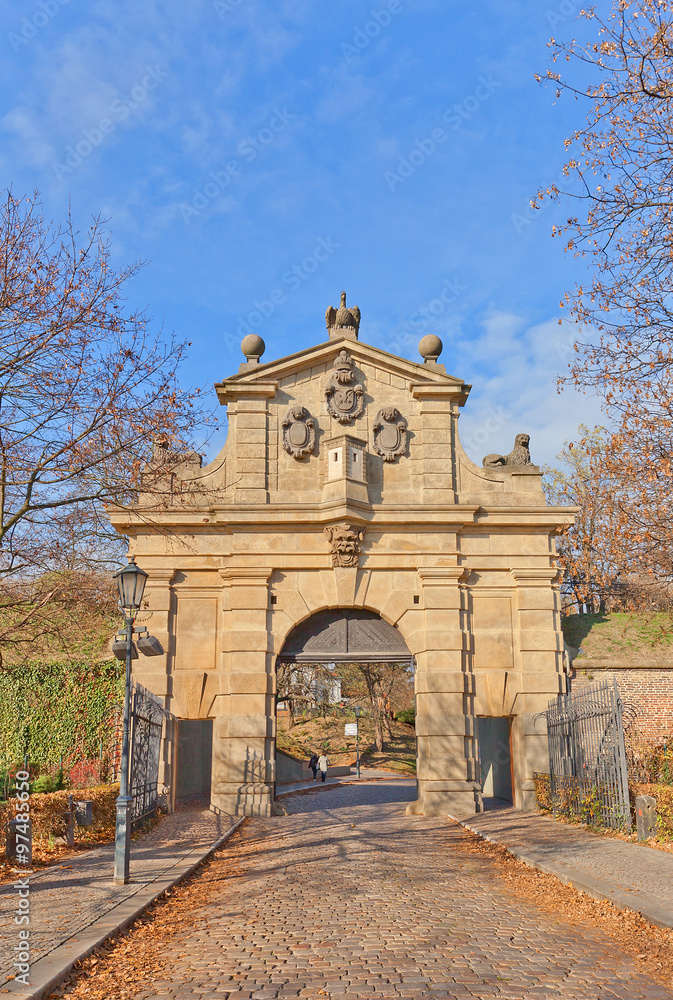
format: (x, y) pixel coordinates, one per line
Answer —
(437, 422)
(244, 730)
(540, 653)
(445, 699)
(249, 433)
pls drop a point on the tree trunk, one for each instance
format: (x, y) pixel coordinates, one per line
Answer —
(378, 734)
(386, 726)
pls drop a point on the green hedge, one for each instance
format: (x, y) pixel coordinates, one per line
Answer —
(58, 711)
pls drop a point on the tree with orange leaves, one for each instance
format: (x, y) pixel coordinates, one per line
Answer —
(623, 160)
(586, 553)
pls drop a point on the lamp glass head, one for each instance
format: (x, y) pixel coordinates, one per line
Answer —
(131, 584)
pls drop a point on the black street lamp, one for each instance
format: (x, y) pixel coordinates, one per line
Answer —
(131, 584)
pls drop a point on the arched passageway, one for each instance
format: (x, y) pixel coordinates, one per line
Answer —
(309, 675)
(344, 634)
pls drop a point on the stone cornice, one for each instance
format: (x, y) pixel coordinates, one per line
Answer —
(250, 576)
(449, 517)
(363, 353)
(535, 577)
(435, 390)
(228, 391)
(434, 575)
(160, 577)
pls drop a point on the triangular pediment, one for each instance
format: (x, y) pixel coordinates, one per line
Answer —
(269, 373)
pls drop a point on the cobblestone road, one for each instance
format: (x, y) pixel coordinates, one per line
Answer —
(68, 897)
(348, 897)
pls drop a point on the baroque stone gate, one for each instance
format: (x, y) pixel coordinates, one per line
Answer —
(343, 485)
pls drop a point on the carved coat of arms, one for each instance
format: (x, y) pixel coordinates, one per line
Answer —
(390, 434)
(298, 432)
(343, 392)
(346, 540)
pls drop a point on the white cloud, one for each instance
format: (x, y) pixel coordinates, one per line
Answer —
(514, 369)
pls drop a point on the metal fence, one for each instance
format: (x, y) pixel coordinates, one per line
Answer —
(147, 716)
(587, 756)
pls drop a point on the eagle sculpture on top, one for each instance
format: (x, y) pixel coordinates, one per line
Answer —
(343, 317)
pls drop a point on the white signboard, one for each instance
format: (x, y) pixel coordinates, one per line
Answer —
(351, 729)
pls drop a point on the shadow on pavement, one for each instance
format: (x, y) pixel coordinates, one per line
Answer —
(372, 794)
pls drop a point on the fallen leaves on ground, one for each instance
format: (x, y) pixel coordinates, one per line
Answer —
(47, 855)
(127, 966)
(634, 935)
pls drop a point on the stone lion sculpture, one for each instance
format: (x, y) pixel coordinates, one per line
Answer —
(519, 455)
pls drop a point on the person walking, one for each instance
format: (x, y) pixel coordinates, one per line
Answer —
(313, 765)
(323, 764)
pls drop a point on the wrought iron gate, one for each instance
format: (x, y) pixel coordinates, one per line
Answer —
(587, 756)
(147, 716)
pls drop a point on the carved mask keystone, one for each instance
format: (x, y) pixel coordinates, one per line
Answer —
(298, 432)
(346, 541)
(390, 434)
(343, 392)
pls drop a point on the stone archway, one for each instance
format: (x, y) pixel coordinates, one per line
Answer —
(329, 637)
(344, 634)
(343, 485)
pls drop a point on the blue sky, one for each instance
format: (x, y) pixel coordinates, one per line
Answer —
(263, 155)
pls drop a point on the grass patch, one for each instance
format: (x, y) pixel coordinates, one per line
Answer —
(627, 634)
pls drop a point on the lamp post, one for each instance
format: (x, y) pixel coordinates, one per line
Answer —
(131, 584)
(358, 713)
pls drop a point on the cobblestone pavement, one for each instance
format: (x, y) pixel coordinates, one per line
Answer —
(346, 896)
(71, 895)
(621, 866)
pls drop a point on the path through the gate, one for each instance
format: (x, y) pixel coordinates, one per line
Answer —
(346, 896)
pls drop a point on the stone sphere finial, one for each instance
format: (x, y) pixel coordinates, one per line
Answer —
(430, 347)
(253, 347)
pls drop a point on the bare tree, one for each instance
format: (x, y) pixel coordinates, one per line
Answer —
(303, 684)
(589, 551)
(623, 161)
(85, 388)
(376, 680)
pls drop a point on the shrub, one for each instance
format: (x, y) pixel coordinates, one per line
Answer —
(650, 760)
(45, 783)
(543, 791)
(407, 715)
(46, 811)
